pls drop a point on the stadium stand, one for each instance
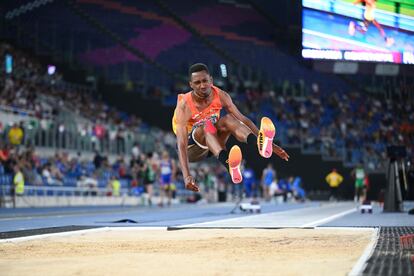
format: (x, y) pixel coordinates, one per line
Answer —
(318, 113)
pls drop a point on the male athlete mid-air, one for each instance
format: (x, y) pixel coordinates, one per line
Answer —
(369, 17)
(201, 131)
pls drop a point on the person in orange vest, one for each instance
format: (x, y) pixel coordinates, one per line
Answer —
(334, 179)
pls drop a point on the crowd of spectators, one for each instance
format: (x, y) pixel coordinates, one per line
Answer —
(137, 175)
(352, 127)
(45, 102)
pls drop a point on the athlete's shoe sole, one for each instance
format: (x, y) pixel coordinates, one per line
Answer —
(235, 159)
(265, 137)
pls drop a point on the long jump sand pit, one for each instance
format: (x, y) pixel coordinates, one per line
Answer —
(188, 252)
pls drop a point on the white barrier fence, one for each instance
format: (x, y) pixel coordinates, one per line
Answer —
(46, 196)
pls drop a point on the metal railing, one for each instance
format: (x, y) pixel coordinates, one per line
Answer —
(30, 190)
(38, 196)
(63, 138)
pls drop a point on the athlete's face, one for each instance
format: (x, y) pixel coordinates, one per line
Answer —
(201, 83)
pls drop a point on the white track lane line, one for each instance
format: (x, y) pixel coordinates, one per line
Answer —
(294, 218)
(324, 220)
(77, 232)
(362, 261)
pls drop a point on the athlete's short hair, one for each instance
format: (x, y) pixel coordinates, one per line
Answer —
(197, 67)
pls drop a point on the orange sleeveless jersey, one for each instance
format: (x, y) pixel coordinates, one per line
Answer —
(199, 117)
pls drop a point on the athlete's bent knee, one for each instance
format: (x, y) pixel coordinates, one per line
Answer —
(226, 121)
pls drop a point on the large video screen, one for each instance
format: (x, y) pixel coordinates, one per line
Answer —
(359, 30)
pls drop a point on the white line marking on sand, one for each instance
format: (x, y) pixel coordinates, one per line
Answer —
(362, 261)
(60, 234)
(77, 232)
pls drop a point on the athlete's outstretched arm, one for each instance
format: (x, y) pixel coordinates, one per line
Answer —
(232, 109)
(182, 116)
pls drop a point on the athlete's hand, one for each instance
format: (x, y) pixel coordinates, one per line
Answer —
(280, 152)
(190, 184)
